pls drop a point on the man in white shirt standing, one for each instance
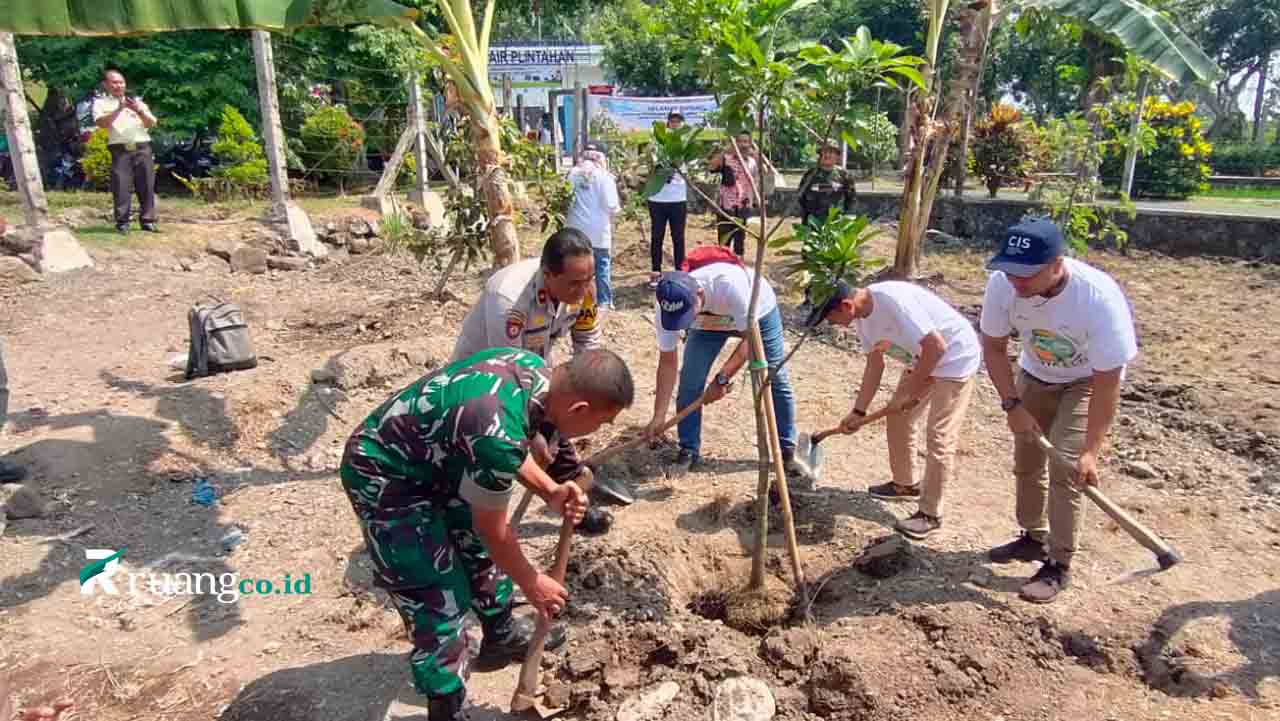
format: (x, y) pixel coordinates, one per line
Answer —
(595, 202)
(1077, 336)
(942, 354)
(669, 206)
(710, 301)
(126, 119)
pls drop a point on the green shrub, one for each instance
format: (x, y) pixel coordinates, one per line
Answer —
(332, 140)
(1246, 159)
(1179, 165)
(241, 161)
(96, 161)
(877, 146)
(1003, 149)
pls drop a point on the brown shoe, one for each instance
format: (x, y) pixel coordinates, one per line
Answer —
(918, 526)
(893, 492)
(1049, 581)
(1022, 548)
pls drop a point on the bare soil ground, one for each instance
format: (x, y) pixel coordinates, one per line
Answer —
(116, 440)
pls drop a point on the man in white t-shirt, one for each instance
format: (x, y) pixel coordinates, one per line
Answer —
(1077, 336)
(669, 206)
(126, 119)
(595, 202)
(942, 354)
(711, 301)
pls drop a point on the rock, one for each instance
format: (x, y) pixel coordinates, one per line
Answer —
(369, 366)
(299, 235)
(80, 217)
(222, 247)
(980, 577)
(743, 699)
(360, 228)
(791, 648)
(19, 501)
(58, 251)
(884, 557)
(649, 705)
(359, 246)
(557, 695)
(15, 272)
(246, 259)
(836, 689)
(587, 660)
(1141, 470)
(286, 262)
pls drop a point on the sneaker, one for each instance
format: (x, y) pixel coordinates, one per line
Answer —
(919, 525)
(122, 229)
(508, 639)
(1022, 548)
(150, 227)
(1052, 578)
(686, 461)
(893, 492)
(12, 473)
(597, 521)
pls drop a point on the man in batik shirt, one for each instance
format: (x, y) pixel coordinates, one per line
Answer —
(429, 474)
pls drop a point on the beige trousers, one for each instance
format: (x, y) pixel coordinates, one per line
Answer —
(948, 402)
(1050, 509)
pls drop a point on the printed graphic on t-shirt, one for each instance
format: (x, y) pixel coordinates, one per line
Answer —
(711, 321)
(896, 352)
(1056, 350)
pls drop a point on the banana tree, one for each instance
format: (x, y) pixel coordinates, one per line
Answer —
(1141, 30)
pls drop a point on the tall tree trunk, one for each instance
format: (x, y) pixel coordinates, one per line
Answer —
(494, 184)
(987, 20)
(1135, 124)
(1259, 117)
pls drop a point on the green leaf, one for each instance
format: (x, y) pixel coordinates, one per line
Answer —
(132, 17)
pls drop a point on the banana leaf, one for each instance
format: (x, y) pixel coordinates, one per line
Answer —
(135, 17)
(1143, 31)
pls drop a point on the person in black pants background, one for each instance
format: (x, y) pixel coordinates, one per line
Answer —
(668, 206)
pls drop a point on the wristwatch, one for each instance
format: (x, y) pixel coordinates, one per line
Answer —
(860, 414)
(722, 379)
(1010, 403)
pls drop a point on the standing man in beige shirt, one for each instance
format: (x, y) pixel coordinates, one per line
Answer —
(126, 119)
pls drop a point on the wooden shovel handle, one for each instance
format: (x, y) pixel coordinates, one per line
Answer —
(527, 687)
(882, 413)
(1166, 556)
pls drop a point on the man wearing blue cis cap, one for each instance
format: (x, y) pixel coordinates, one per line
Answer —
(710, 301)
(1077, 336)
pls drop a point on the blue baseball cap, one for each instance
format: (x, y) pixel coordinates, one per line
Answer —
(1027, 247)
(819, 314)
(677, 300)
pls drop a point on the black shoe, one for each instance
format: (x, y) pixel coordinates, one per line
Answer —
(11, 473)
(1022, 548)
(596, 521)
(686, 461)
(150, 227)
(508, 639)
(122, 229)
(447, 708)
(891, 491)
(1052, 579)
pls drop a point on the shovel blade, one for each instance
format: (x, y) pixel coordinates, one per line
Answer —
(615, 489)
(811, 453)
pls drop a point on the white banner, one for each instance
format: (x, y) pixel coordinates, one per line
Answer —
(637, 113)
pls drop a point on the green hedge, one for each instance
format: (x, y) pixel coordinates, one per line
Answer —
(1246, 159)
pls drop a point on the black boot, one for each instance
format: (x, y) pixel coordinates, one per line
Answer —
(447, 708)
(507, 639)
(10, 473)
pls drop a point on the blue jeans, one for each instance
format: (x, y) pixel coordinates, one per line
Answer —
(700, 351)
(604, 277)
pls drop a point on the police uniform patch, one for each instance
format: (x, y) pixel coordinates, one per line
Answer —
(542, 296)
(588, 316)
(515, 324)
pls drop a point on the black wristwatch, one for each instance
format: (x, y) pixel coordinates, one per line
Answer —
(722, 379)
(1010, 403)
(860, 414)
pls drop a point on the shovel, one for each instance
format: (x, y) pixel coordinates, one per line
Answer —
(807, 446)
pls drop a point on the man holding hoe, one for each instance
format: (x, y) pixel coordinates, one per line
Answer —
(530, 305)
(941, 350)
(429, 474)
(1077, 338)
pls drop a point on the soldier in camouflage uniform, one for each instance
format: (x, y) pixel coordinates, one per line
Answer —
(822, 188)
(429, 474)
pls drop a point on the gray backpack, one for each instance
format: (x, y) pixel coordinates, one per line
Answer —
(219, 340)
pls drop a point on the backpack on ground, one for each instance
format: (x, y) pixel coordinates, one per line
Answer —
(219, 340)
(708, 254)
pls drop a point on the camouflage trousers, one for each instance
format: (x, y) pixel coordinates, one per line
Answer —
(437, 572)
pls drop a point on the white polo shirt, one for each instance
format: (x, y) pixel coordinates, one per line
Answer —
(128, 127)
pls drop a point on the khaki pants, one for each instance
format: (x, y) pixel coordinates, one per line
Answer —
(1050, 509)
(948, 402)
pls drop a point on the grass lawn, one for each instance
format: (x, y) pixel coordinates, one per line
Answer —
(1243, 193)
